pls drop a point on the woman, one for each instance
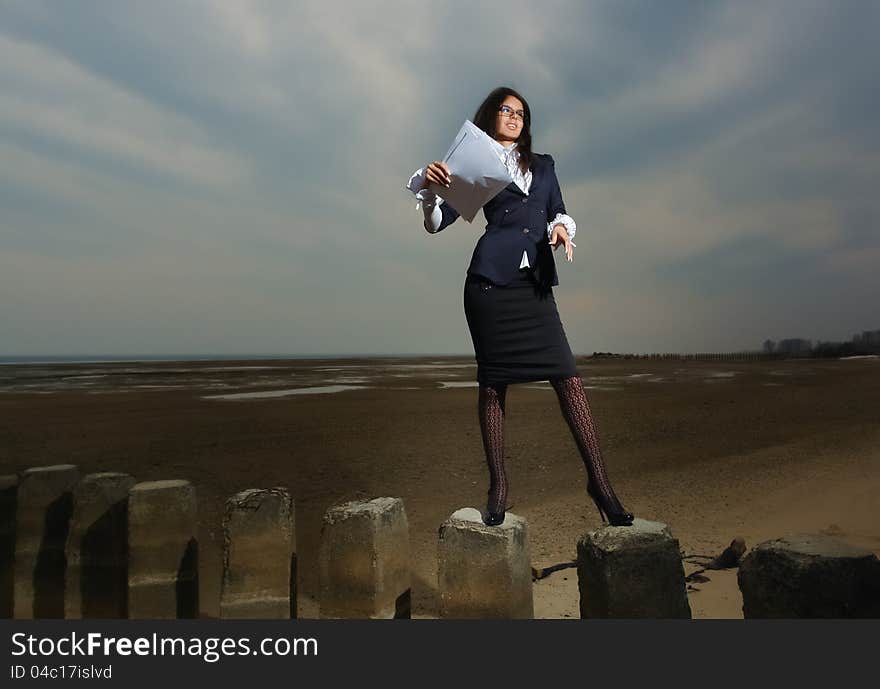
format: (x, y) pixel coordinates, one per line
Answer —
(508, 295)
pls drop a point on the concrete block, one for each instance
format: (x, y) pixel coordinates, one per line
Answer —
(809, 575)
(484, 571)
(259, 556)
(631, 572)
(364, 561)
(43, 508)
(8, 493)
(163, 569)
(97, 548)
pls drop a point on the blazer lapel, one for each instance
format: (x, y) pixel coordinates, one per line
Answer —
(538, 172)
(537, 175)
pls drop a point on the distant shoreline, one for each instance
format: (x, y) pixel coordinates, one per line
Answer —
(145, 358)
(133, 359)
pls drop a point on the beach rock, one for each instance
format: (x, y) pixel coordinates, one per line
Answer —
(484, 571)
(731, 555)
(44, 504)
(97, 548)
(364, 560)
(631, 572)
(8, 493)
(809, 575)
(163, 569)
(259, 556)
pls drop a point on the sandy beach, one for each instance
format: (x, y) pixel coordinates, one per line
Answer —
(716, 450)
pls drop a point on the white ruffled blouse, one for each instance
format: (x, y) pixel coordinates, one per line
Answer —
(430, 202)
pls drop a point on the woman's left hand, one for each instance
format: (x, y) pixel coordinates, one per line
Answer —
(560, 237)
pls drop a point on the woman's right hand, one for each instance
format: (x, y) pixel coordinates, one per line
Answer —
(437, 173)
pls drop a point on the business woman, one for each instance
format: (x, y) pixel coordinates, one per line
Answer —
(508, 296)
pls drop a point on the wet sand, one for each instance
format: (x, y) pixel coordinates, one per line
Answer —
(714, 449)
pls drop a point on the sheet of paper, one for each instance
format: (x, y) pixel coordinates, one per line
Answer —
(477, 173)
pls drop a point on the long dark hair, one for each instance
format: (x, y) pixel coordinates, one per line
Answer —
(486, 117)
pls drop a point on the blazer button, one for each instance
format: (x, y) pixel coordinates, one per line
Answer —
(525, 230)
(525, 200)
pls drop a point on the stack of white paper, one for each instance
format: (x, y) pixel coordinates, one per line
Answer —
(476, 172)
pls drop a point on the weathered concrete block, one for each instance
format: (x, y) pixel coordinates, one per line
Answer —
(97, 548)
(631, 572)
(259, 556)
(43, 507)
(163, 568)
(809, 575)
(484, 571)
(8, 492)
(364, 560)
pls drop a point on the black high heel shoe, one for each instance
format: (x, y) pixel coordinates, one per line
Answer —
(495, 518)
(492, 519)
(617, 516)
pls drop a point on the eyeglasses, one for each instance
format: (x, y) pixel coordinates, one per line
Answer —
(507, 111)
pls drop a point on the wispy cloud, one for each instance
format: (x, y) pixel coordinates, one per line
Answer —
(241, 164)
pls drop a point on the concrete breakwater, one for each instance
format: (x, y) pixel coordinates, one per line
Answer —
(104, 545)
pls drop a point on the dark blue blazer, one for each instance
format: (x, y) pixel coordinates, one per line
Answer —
(516, 223)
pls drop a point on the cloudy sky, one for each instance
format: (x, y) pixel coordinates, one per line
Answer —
(228, 177)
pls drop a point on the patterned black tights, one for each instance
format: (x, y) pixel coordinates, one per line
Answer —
(491, 409)
(576, 410)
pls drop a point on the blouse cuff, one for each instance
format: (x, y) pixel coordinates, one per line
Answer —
(424, 196)
(562, 219)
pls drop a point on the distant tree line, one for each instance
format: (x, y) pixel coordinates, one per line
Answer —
(867, 342)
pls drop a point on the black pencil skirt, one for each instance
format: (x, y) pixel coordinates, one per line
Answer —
(516, 331)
